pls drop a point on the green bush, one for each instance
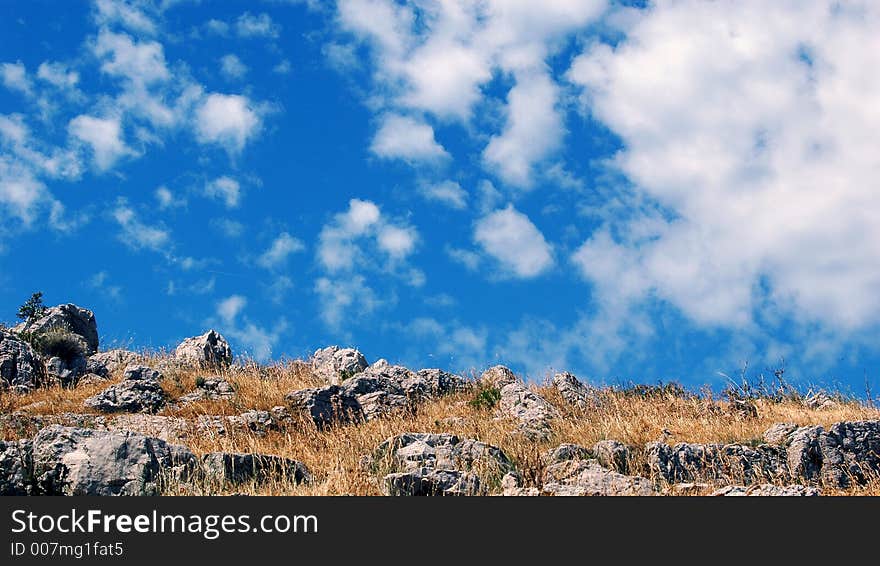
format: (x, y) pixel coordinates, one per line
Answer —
(58, 343)
(32, 308)
(485, 398)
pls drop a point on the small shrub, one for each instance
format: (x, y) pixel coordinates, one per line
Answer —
(485, 398)
(59, 343)
(200, 381)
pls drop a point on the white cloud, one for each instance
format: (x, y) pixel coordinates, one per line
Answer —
(283, 67)
(228, 227)
(137, 234)
(280, 249)
(465, 345)
(510, 237)
(21, 193)
(58, 75)
(225, 189)
(103, 135)
(449, 193)
(227, 119)
(471, 260)
(533, 132)
(126, 14)
(14, 76)
(142, 63)
(345, 300)
(340, 242)
(755, 131)
(167, 199)
(229, 308)
(232, 67)
(217, 27)
(403, 137)
(260, 25)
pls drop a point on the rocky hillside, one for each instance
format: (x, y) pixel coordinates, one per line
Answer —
(77, 420)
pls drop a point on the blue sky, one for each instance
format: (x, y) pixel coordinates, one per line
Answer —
(630, 191)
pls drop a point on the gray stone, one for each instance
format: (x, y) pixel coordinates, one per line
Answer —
(532, 411)
(589, 478)
(688, 462)
(91, 379)
(235, 469)
(135, 394)
(779, 433)
(498, 377)
(16, 468)
(141, 373)
(210, 350)
(335, 364)
(325, 405)
(613, 455)
(70, 317)
(820, 401)
(66, 372)
(376, 396)
(77, 461)
(767, 490)
(211, 389)
(107, 363)
(574, 392)
(20, 366)
(439, 464)
(169, 429)
(566, 452)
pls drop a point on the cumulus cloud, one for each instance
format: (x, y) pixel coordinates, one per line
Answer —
(136, 233)
(103, 136)
(142, 63)
(21, 192)
(448, 193)
(515, 242)
(128, 14)
(230, 120)
(259, 25)
(404, 137)
(225, 189)
(232, 67)
(258, 341)
(14, 77)
(754, 135)
(58, 75)
(281, 248)
(345, 300)
(166, 198)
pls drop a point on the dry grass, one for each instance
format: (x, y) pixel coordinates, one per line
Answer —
(334, 455)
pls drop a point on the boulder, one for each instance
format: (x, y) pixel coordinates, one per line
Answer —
(169, 429)
(573, 391)
(767, 490)
(235, 469)
(138, 392)
(779, 433)
(820, 401)
(532, 411)
(727, 463)
(211, 389)
(589, 478)
(256, 422)
(77, 461)
(376, 396)
(69, 317)
(420, 385)
(613, 455)
(20, 366)
(335, 364)
(498, 377)
(66, 372)
(325, 405)
(566, 452)
(110, 362)
(439, 464)
(848, 452)
(16, 468)
(208, 350)
(360, 398)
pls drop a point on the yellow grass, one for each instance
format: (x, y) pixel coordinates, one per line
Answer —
(334, 456)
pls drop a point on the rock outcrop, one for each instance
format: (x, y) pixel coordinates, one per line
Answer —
(439, 464)
(20, 367)
(589, 478)
(16, 468)
(69, 317)
(573, 391)
(335, 364)
(107, 363)
(210, 350)
(211, 389)
(76, 461)
(236, 469)
(767, 490)
(138, 392)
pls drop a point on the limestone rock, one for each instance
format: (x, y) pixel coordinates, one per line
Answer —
(210, 350)
(232, 468)
(779, 433)
(16, 468)
(211, 389)
(573, 391)
(439, 464)
(688, 462)
(325, 405)
(566, 452)
(335, 364)
(20, 366)
(589, 478)
(531, 410)
(66, 372)
(767, 490)
(498, 377)
(138, 392)
(613, 455)
(69, 317)
(112, 361)
(76, 461)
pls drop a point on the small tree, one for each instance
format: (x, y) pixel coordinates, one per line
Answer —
(32, 308)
